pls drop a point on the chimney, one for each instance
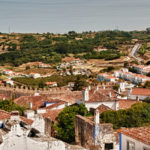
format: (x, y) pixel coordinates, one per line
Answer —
(36, 94)
(110, 94)
(89, 87)
(29, 114)
(85, 95)
(97, 88)
(122, 86)
(15, 115)
(129, 92)
(31, 105)
(96, 116)
(137, 98)
(119, 90)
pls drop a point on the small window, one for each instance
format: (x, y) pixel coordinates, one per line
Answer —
(130, 145)
(108, 146)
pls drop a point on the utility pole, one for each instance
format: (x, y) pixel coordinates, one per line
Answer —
(9, 29)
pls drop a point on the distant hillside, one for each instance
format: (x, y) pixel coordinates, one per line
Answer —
(17, 49)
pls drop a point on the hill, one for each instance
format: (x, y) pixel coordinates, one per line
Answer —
(17, 49)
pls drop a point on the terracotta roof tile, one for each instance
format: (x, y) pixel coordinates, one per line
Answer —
(3, 96)
(141, 134)
(27, 121)
(52, 114)
(101, 95)
(37, 101)
(140, 91)
(50, 83)
(4, 115)
(125, 104)
(58, 103)
(103, 108)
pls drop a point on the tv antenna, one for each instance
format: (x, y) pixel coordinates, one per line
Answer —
(9, 29)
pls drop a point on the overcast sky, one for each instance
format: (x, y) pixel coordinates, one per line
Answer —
(59, 16)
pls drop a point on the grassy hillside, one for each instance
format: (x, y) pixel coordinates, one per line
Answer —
(17, 49)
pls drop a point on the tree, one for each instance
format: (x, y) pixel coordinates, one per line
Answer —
(126, 64)
(138, 115)
(147, 100)
(41, 84)
(116, 87)
(148, 30)
(9, 106)
(65, 126)
(27, 67)
(147, 84)
(79, 84)
(142, 50)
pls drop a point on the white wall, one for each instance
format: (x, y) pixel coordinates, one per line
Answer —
(41, 111)
(138, 145)
(134, 97)
(13, 142)
(60, 106)
(111, 105)
(39, 124)
(109, 138)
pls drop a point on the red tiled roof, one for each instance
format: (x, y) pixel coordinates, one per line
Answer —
(58, 103)
(3, 96)
(101, 95)
(27, 121)
(103, 108)
(52, 114)
(4, 115)
(37, 101)
(141, 134)
(69, 59)
(111, 77)
(140, 91)
(50, 83)
(125, 104)
(69, 96)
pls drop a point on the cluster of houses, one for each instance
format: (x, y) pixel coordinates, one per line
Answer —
(13, 74)
(90, 133)
(72, 66)
(141, 69)
(132, 77)
(70, 62)
(77, 71)
(126, 75)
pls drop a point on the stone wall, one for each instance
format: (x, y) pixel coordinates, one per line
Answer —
(84, 132)
(94, 136)
(16, 92)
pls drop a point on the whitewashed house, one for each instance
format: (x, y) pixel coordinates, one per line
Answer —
(138, 93)
(7, 72)
(35, 75)
(134, 138)
(8, 81)
(18, 133)
(93, 98)
(142, 69)
(132, 77)
(51, 84)
(106, 77)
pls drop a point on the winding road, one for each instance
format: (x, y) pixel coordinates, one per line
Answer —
(134, 51)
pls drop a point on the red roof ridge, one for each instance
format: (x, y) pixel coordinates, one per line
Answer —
(138, 133)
